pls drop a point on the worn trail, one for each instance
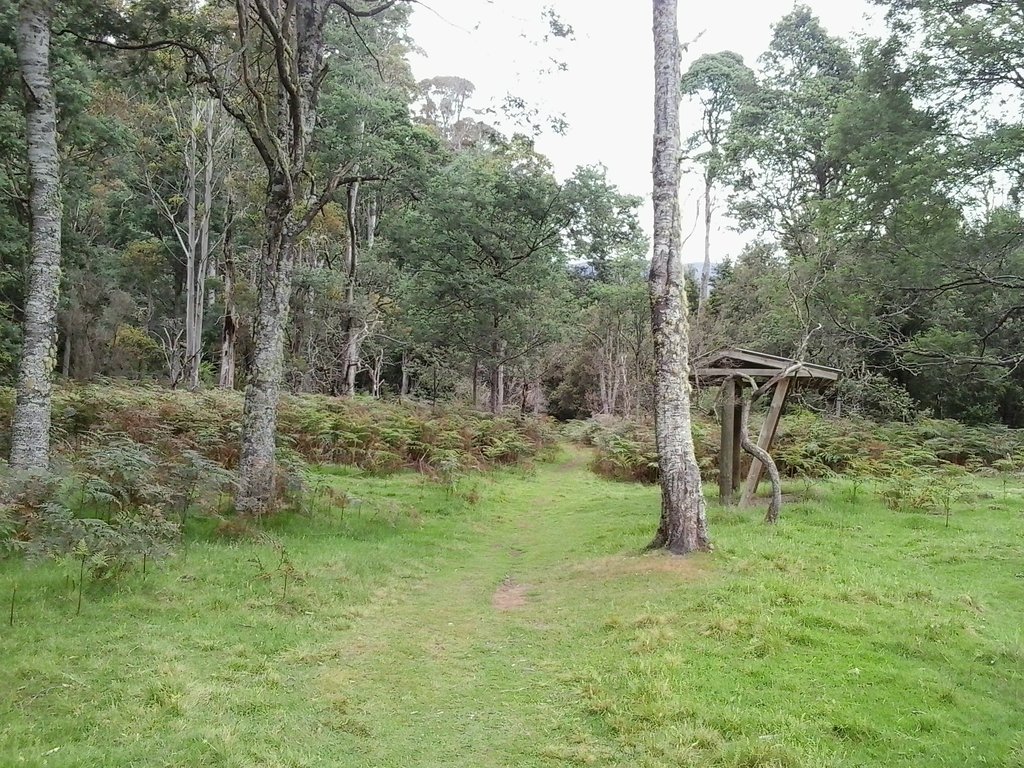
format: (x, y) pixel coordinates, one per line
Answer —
(457, 658)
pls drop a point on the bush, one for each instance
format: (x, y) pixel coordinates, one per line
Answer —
(374, 435)
(809, 445)
(626, 450)
(137, 456)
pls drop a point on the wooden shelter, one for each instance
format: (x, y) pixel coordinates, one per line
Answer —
(734, 369)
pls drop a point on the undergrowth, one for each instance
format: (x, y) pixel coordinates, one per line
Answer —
(811, 446)
(132, 464)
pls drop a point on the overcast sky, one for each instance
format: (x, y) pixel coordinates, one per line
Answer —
(606, 89)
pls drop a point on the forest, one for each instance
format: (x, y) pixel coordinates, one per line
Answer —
(880, 182)
(338, 420)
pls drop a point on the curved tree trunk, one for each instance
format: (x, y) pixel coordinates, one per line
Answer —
(775, 504)
(30, 427)
(683, 526)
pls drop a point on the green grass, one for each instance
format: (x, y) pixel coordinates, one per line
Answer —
(420, 629)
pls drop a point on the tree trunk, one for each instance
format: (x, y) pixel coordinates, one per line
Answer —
(404, 387)
(256, 469)
(282, 135)
(683, 526)
(371, 223)
(476, 380)
(199, 297)
(230, 331)
(705, 275)
(65, 368)
(190, 240)
(30, 427)
(497, 395)
(351, 344)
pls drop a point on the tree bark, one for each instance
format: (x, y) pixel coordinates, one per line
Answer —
(256, 470)
(191, 242)
(196, 318)
(497, 394)
(351, 343)
(371, 223)
(705, 275)
(683, 526)
(229, 332)
(403, 390)
(30, 427)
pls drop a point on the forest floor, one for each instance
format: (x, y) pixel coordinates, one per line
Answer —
(515, 623)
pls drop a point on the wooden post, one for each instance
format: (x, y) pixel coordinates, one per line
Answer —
(726, 453)
(765, 438)
(737, 448)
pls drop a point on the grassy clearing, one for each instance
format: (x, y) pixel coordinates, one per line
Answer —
(419, 628)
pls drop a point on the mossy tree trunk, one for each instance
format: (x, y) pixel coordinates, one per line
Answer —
(683, 526)
(30, 428)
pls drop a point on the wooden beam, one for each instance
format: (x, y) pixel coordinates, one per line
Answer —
(707, 373)
(737, 448)
(726, 452)
(765, 439)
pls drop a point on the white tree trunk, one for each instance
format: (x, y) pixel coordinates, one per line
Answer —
(190, 241)
(371, 223)
(705, 275)
(683, 526)
(497, 383)
(30, 427)
(202, 265)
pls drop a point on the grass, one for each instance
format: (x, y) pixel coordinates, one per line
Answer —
(420, 628)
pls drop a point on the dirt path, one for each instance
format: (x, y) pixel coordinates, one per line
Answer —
(453, 656)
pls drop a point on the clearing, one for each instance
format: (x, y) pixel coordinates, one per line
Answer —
(512, 624)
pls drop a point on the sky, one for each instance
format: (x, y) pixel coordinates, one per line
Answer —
(606, 89)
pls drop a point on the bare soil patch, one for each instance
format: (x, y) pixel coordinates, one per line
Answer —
(509, 596)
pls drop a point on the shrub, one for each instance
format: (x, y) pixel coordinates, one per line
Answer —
(139, 454)
(809, 445)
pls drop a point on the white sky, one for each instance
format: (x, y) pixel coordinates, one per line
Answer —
(606, 93)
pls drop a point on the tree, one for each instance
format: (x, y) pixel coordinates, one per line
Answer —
(484, 251)
(971, 48)
(778, 145)
(280, 59)
(683, 526)
(604, 225)
(443, 105)
(185, 198)
(30, 429)
(719, 81)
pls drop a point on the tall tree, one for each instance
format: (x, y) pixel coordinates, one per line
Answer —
(278, 109)
(484, 250)
(30, 430)
(778, 143)
(683, 526)
(718, 81)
